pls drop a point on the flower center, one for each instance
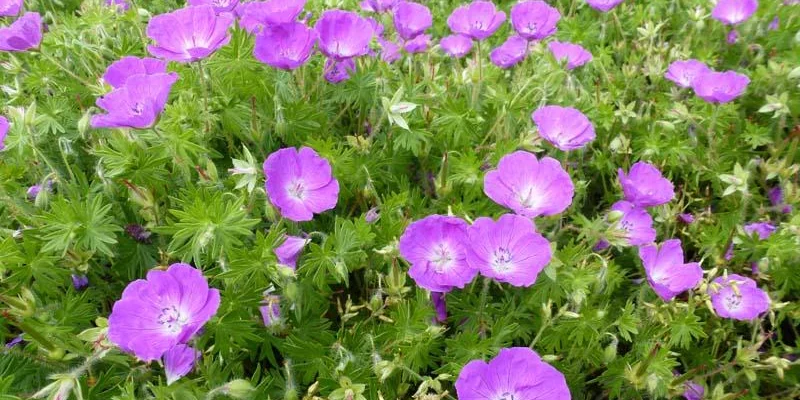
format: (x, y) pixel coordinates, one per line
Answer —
(297, 190)
(508, 396)
(532, 27)
(526, 198)
(138, 108)
(625, 225)
(221, 3)
(502, 261)
(732, 302)
(441, 257)
(171, 319)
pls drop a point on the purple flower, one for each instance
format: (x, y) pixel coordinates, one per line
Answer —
(378, 6)
(601, 245)
(156, 314)
(456, 46)
(220, 6)
(534, 19)
(509, 250)
(684, 73)
(343, 34)
(80, 282)
(738, 298)
(271, 310)
(729, 252)
(516, 373)
(188, 34)
(564, 127)
(258, 14)
(477, 20)
(644, 185)
(774, 24)
(686, 218)
(338, 71)
(137, 104)
(33, 191)
(732, 37)
(300, 183)
(603, 5)
(732, 12)
(289, 251)
(377, 27)
(763, 229)
(775, 197)
(23, 34)
(693, 391)
(419, 44)
(573, 53)
(435, 246)
(121, 5)
(439, 304)
(3, 131)
(372, 215)
(119, 71)
(720, 87)
(411, 19)
(15, 341)
(138, 233)
(179, 361)
(10, 8)
(666, 271)
(390, 51)
(635, 224)
(285, 46)
(528, 186)
(510, 53)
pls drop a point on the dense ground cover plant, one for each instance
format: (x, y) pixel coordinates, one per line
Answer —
(386, 200)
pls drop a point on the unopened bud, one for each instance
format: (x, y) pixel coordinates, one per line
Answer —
(239, 389)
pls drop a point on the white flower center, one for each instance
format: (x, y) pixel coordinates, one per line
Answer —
(297, 190)
(441, 257)
(732, 301)
(507, 396)
(502, 261)
(172, 319)
(527, 198)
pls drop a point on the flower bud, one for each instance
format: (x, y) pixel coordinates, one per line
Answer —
(239, 389)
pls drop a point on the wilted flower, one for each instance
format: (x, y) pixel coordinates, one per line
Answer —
(666, 271)
(763, 229)
(167, 309)
(775, 197)
(258, 14)
(693, 391)
(634, 223)
(138, 233)
(23, 34)
(477, 20)
(289, 251)
(80, 282)
(119, 71)
(390, 51)
(411, 19)
(686, 218)
(10, 8)
(300, 183)
(575, 54)
(684, 73)
(188, 34)
(534, 19)
(738, 297)
(732, 37)
(285, 46)
(456, 45)
(509, 250)
(528, 186)
(271, 310)
(601, 245)
(720, 87)
(3, 131)
(34, 190)
(220, 6)
(603, 5)
(564, 127)
(338, 71)
(439, 304)
(435, 246)
(732, 12)
(515, 373)
(372, 215)
(378, 6)
(419, 44)
(644, 185)
(179, 361)
(774, 24)
(15, 341)
(121, 5)
(510, 53)
(343, 34)
(137, 104)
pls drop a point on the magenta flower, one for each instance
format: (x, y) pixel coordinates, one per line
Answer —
(440, 305)
(23, 34)
(762, 229)
(167, 309)
(693, 391)
(343, 34)
(300, 183)
(720, 87)
(3, 131)
(220, 6)
(271, 310)
(732, 12)
(119, 71)
(10, 8)
(338, 71)
(686, 218)
(534, 19)
(120, 5)
(644, 186)
(509, 250)
(477, 20)
(390, 51)
(285, 46)
(515, 373)
(574, 54)
(258, 14)
(179, 361)
(684, 73)
(378, 6)
(634, 223)
(666, 271)
(603, 5)
(510, 53)
(456, 46)
(137, 104)
(528, 186)
(411, 19)
(435, 246)
(188, 34)
(737, 297)
(564, 127)
(732, 37)
(289, 251)
(419, 44)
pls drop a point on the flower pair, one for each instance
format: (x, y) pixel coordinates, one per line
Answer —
(709, 85)
(281, 40)
(475, 21)
(532, 20)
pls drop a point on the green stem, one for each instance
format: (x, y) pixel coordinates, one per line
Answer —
(484, 294)
(65, 69)
(35, 335)
(203, 84)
